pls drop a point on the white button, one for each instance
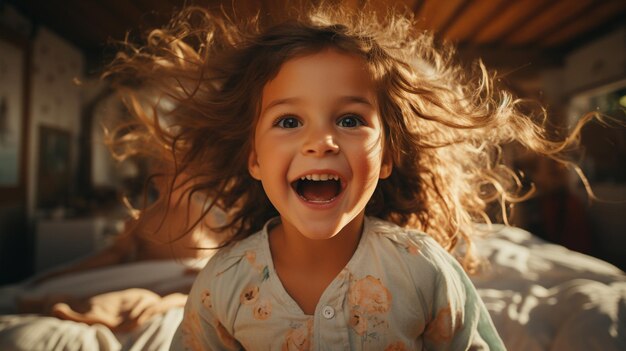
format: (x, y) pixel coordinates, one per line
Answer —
(328, 312)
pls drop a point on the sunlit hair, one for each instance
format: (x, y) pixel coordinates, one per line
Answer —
(195, 90)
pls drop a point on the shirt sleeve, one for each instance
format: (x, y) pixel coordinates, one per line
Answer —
(200, 328)
(458, 319)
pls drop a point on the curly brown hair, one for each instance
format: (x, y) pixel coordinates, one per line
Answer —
(195, 89)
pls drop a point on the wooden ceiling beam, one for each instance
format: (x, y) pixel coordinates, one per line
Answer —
(417, 7)
(602, 14)
(475, 19)
(571, 18)
(510, 20)
(454, 18)
(446, 10)
(435, 13)
(545, 21)
(485, 24)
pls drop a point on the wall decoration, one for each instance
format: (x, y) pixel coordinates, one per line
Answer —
(55, 170)
(12, 63)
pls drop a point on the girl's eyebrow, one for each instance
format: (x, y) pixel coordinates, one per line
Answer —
(357, 99)
(285, 101)
(343, 99)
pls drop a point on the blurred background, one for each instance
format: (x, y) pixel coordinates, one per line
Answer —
(60, 190)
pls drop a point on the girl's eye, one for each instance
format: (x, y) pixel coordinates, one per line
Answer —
(350, 121)
(288, 122)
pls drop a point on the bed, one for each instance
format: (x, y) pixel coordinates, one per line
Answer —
(541, 296)
(33, 332)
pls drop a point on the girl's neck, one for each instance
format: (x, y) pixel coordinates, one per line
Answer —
(306, 267)
(288, 245)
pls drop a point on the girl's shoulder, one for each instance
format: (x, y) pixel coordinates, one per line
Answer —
(410, 245)
(400, 236)
(244, 253)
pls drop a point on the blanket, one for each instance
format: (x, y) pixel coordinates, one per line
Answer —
(543, 296)
(540, 296)
(35, 332)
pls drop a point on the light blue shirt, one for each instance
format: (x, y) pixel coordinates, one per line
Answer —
(399, 291)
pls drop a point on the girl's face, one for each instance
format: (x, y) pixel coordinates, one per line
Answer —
(318, 147)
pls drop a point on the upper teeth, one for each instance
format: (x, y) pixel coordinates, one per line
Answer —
(320, 177)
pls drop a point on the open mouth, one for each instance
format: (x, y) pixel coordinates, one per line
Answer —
(318, 188)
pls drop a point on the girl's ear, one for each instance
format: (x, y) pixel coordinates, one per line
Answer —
(386, 167)
(253, 166)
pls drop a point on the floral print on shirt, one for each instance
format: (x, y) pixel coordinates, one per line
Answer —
(298, 337)
(225, 337)
(262, 310)
(397, 346)
(262, 269)
(370, 295)
(442, 327)
(205, 298)
(412, 248)
(369, 302)
(191, 330)
(249, 295)
(358, 322)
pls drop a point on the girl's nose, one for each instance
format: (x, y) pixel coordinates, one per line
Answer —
(320, 145)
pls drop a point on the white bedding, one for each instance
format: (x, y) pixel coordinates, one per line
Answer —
(160, 276)
(32, 332)
(543, 296)
(540, 296)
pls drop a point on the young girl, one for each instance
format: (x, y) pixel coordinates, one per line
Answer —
(350, 154)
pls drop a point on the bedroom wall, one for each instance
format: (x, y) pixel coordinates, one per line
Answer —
(15, 239)
(589, 72)
(57, 95)
(599, 63)
(592, 70)
(54, 96)
(53, 102)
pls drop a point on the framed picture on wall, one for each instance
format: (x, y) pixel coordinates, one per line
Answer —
(12, 116)
(55, 169)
